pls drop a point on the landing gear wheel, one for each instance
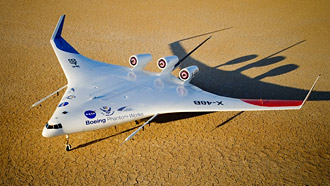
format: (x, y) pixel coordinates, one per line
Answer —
(68, 147)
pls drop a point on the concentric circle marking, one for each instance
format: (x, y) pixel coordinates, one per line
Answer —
(161, 63)
(133, 61)
(184, 75)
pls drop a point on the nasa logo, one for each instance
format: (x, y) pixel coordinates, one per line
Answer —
(90, 114)
(63, 104)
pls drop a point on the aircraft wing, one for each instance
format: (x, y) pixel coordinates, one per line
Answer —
(77, 68)
(155, 94)
(201, 101)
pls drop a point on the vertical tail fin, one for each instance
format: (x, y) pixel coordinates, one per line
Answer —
(58, 30)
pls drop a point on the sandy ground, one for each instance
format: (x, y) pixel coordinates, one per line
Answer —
(271, 49)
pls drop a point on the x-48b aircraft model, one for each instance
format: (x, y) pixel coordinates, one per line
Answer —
(101, 95)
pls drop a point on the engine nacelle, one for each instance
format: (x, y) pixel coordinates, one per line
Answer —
(139, 61)
(188, 73)
(166, 64)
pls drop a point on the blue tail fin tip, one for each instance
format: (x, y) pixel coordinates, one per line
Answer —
(58, 30)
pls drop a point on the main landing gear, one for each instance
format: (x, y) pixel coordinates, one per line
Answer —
(67, 145)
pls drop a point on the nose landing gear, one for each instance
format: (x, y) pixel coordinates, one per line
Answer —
(67, 145)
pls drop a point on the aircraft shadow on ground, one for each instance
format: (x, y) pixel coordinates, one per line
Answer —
(101, 139)
(159, 120)
(237, 85)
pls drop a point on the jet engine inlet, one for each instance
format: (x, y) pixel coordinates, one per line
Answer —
(139, 61)
(188, 73)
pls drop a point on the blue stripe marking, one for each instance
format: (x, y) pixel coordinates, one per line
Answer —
(64, 46)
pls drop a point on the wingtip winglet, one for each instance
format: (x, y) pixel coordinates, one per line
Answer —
(310, 91)
(58, 30)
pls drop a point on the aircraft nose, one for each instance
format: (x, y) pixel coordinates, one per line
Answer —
(52, 130)
(45, 133)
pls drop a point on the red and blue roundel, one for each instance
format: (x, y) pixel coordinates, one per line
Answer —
(90, 114)
(63, 104)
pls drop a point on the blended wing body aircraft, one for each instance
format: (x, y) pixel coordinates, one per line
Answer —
(101, 95)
